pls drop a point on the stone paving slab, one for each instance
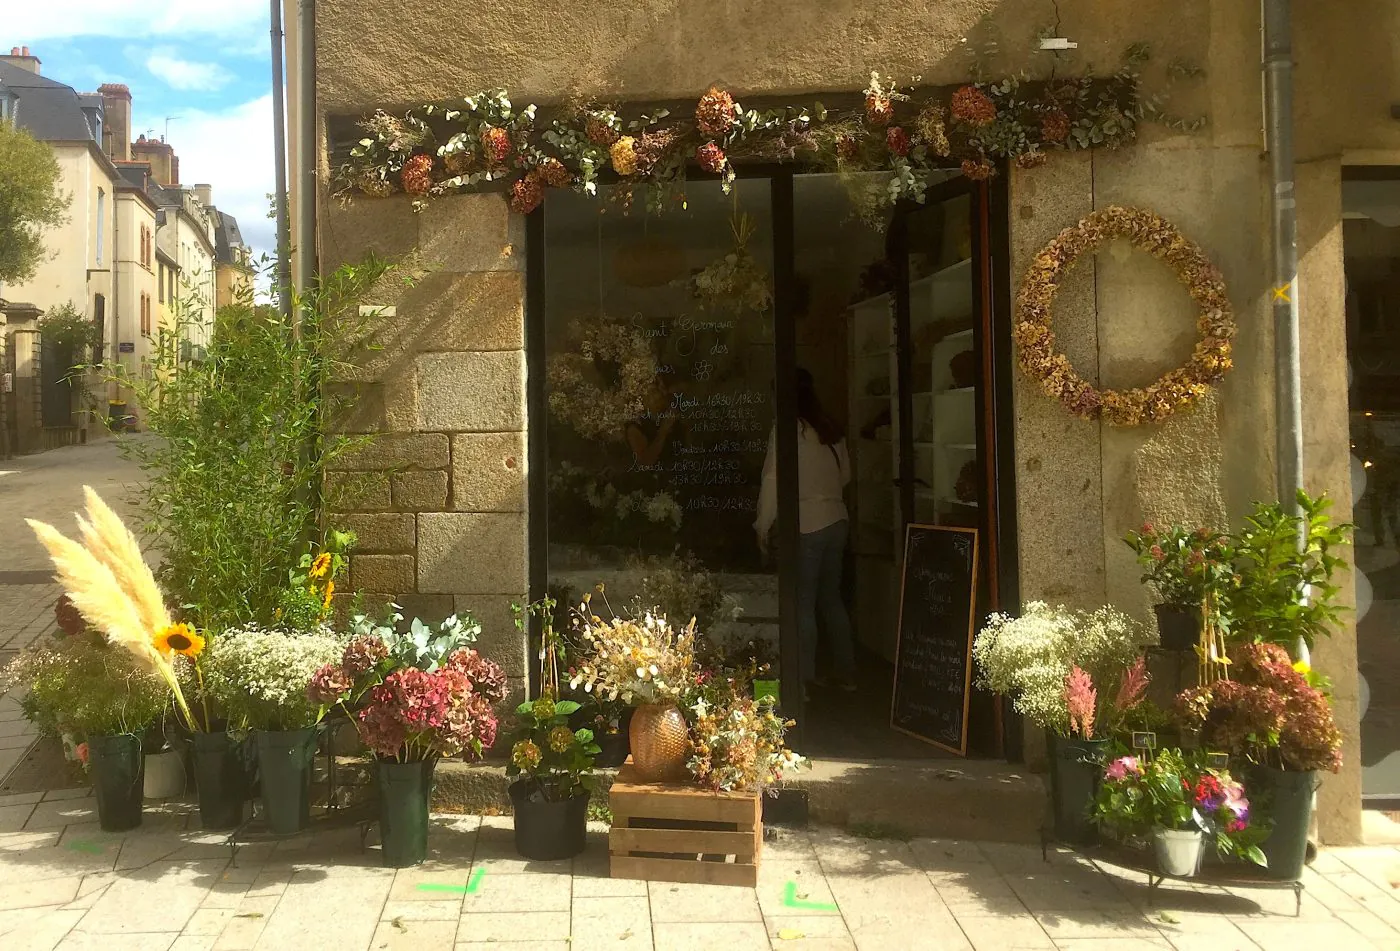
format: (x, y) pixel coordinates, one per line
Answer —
(65, 884)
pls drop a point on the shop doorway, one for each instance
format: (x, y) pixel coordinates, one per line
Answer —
(731, 301)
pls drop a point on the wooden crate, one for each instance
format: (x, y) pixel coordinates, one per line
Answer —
(675, 832)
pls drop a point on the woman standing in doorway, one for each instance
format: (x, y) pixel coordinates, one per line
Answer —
(823, 471)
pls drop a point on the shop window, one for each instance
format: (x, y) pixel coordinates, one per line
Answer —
(657, 441)
(1371, 241)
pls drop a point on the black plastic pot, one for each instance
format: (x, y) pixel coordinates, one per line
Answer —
(404, 789)
(547, 831)
(1076, 767)
(1179, 626)
(118, 768)
(222, 781)
(284, 765)
(612, 750)
(1286, 799)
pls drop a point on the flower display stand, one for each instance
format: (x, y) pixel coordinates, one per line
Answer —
(1224, 872)
(679, 832)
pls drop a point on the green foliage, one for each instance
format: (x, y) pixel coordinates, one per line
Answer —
(1284, 591)
(1180, 564)
(70, 329)
(422, 645)
(306, 600)
(80, 685)
(555, 760)
(244, 441)
(30, 201)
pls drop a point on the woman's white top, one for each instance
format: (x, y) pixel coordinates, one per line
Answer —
(822, 472)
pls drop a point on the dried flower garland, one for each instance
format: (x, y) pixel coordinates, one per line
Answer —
(1177, 389)
(910, 135)
(595, 410)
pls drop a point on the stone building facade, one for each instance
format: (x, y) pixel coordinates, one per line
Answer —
(439, 499)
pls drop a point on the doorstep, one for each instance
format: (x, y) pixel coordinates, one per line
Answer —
(984, 800)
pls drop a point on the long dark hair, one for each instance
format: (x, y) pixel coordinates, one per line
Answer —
(810, 411)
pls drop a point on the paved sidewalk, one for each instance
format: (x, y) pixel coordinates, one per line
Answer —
(64, 884)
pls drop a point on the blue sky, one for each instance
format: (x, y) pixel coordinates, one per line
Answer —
(204, 64)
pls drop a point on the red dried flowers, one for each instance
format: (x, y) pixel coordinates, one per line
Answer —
(417, 175)
(495, 142)
(973, 106)
(710, 157)
(526, 194)
(897, 140)
(716, 112)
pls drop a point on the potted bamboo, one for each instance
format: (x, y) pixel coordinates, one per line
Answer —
(414, 697)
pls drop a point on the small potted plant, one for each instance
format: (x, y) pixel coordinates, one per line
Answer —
(414, 697)
(1048, 662)
(737, 740)
(1185, 568)
(554, 764)
(1273, 717)
(1180, 806)
(258, 678)
(649, 664)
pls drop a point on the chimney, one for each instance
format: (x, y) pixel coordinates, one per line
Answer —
(205, 194)
(21, 57)
(116, 109)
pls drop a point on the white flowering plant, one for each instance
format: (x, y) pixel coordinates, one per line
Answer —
(258, 677)
(1029, 658)
(640, 660)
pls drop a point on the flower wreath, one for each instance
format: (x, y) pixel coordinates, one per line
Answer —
(576, 397)
(1177, 389)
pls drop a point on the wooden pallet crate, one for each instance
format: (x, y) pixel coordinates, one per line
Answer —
(677, 832)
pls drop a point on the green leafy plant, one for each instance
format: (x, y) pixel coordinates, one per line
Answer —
(1182, 565)
(556, 761)
(31, 200)
(78, 684)
(245, 437)
(71, 331)
(305, 602)
(1282, 590)
(422, 645)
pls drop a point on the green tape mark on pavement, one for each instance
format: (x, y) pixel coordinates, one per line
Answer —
(472, 885)
(92, 848)
(792, 901)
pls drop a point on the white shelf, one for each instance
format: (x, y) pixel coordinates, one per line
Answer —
(958, 391)
(965, 446)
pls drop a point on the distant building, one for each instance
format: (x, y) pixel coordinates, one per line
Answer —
(233, 269)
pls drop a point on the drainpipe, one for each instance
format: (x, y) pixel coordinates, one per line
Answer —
(279, 145)
(306, 146)
(1278, 130)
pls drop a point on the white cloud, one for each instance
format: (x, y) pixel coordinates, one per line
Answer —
(185, 74)
(28, 23)
(232, 151)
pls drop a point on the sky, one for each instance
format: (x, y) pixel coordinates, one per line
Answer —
(200, 69)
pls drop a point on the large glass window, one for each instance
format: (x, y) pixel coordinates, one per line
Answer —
(659, 379)
(1372, 248)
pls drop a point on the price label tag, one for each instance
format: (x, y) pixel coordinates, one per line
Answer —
(1218, 760)
(1144, 740)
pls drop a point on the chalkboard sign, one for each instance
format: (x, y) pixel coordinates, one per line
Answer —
(933, 656)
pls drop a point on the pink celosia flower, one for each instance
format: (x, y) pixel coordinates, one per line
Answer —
(1080, 698)
(1132, 687)
(1122, 768)
(81, 751)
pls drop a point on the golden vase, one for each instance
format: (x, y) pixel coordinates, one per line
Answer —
(660, 742)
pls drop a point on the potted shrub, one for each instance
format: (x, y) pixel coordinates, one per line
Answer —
(737, 741)
(1184, 567)
(1274, 718)
(414, 698)
(649, 664)
(1178, 805)
(259, 679)
(554, 765)
(1032, 658)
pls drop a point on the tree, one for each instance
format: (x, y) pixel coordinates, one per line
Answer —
(30, 200)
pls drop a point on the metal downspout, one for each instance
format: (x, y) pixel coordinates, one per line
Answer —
(1288, 370)
(306, 146)
(279, 145)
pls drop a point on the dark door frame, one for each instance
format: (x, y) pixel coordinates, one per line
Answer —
(990, 229)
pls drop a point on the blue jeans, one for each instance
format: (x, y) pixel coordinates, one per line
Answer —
(822, 555)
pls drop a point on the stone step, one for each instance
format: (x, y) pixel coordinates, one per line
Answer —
(974, 799)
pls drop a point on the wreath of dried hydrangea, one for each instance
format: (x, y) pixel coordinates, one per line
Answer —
(1053, 371)
(575, 397)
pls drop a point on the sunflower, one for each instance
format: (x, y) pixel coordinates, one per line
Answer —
(180, 639)
(321, 565)
(330, 590)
